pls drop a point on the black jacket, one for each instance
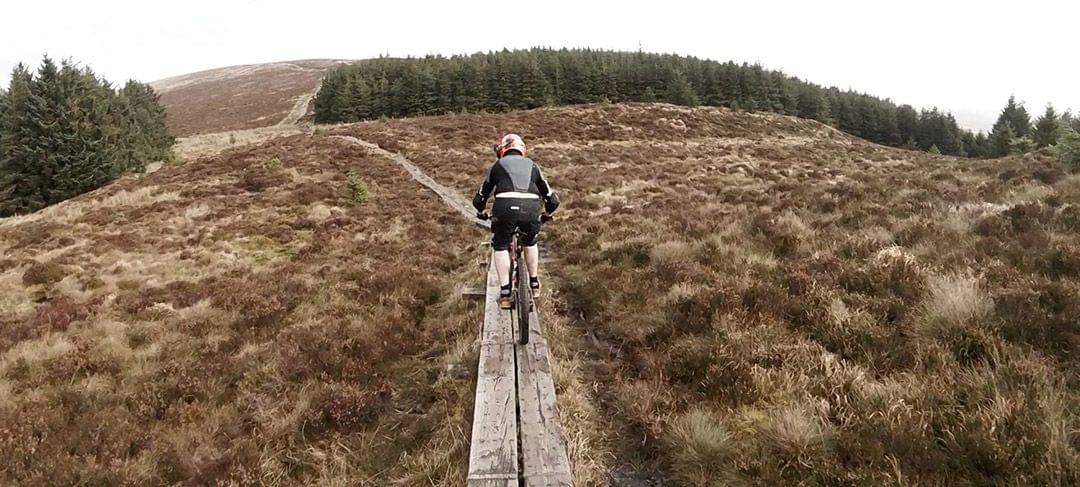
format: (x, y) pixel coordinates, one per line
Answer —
(516, 173)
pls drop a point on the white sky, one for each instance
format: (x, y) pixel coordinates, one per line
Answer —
(963, 56)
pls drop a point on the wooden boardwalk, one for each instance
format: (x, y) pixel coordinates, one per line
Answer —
(516, 437)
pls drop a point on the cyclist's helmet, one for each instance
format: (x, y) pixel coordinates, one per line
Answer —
(511, 142)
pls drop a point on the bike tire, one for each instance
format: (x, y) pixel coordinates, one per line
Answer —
(524, 300)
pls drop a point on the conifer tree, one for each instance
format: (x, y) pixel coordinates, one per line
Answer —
(1000, 137)
(1016, 116)
(88, 151)
(142, 117)
(975, 145)
(20, 182)
(1021, 145)
(679, 91)
(907, 125)
(1047, 128)
(359, 99)
(1068, 149)
(1013, 121)
(65, 132)
(510, 80)
(1068, 121)
(811, 103)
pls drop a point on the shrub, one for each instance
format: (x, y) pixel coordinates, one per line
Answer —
(349, 407)
(57, 315)
(254, 179)
(43, 273)
(358, 191)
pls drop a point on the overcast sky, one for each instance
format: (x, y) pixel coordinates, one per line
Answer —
(964, 56)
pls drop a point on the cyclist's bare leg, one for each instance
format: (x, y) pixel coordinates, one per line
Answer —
(502, 266)
(532, 260)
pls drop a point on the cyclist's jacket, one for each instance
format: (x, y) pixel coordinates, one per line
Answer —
(516, 176)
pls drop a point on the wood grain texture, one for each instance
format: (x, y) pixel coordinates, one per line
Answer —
(543, 451)
(493, 456)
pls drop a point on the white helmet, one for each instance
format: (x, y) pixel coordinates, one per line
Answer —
(511, 142)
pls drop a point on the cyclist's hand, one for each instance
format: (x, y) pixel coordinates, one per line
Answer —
(482, 215)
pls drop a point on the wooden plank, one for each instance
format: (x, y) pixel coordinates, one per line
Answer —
(543, 450)
(493, 455)
(473, 293)
(499, 482)
(497, 328)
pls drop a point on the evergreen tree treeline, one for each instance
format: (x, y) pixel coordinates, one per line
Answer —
(64, 131)
(523, 79)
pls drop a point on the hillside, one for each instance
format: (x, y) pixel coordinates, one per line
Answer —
(239, 97)
(736, 297)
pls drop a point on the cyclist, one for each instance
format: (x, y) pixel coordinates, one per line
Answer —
(521, 193)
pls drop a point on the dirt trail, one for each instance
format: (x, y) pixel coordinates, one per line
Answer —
(448, 195)
(299, 109)
(202, 145)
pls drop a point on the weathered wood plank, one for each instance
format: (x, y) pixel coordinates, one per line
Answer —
(473, 293)
(497, 482)
(497, 328)
(543, 451)
(493, 455)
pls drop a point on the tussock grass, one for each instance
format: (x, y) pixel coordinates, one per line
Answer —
(795, 435)
(954, 300)
(702, 448)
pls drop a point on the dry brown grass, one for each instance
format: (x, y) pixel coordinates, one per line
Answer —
(735, 298)
(232, 320)
(769, 287)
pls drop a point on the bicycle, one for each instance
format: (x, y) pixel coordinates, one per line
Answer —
(519, 280)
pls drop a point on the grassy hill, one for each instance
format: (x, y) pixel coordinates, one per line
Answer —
(238, 97)
(745, 298)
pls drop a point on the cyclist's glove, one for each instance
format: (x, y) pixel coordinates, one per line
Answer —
(551, 203)
(479, 202)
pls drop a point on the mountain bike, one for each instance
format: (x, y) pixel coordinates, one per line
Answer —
(519, 280)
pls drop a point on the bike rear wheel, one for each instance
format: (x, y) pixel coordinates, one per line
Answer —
(524, 299)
